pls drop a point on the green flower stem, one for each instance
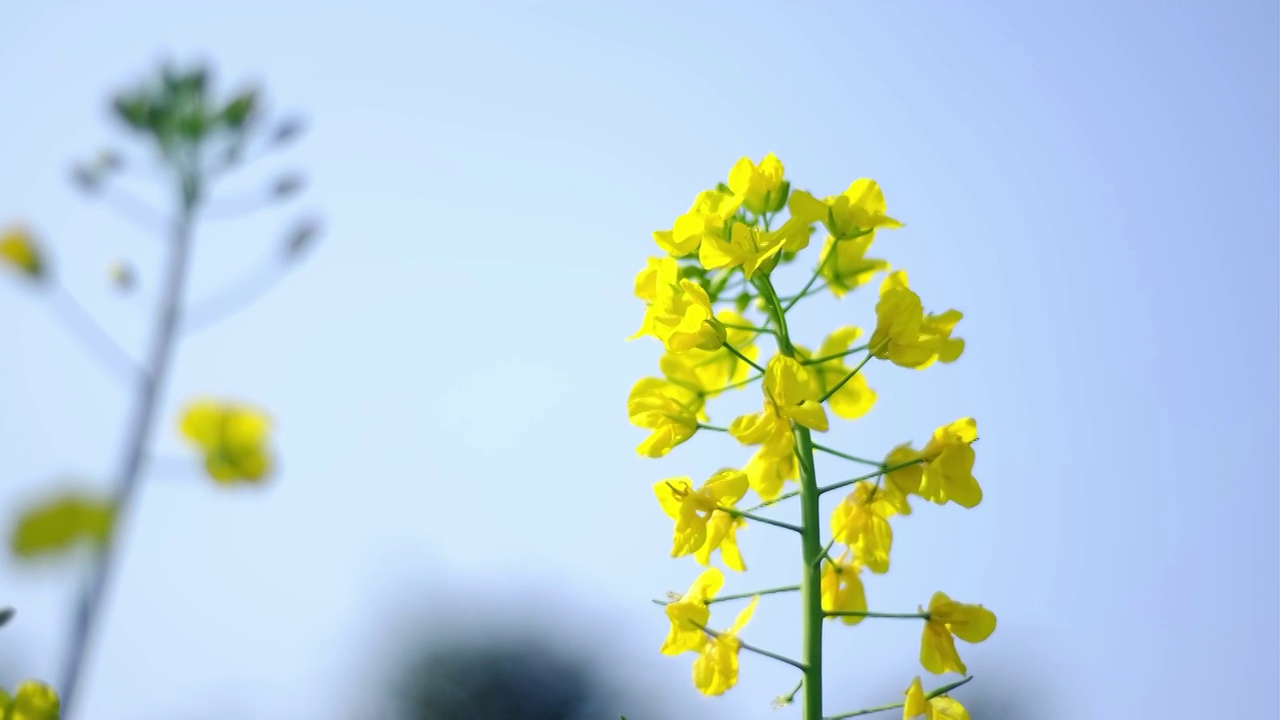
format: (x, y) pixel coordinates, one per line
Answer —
(870, 476)
(750, 328)
(714, 428)
(742, 596)
(811, 541)
(846, 378)
(869, 614)
(759, 651)
(818, 270)
(736, 353)
(826, 555)
(835, 356)
(791, 696)
(775, 501)
(790, 299)
(760, 519)
(736, 385)
(940, 691)
(837, 453)
(89, 608)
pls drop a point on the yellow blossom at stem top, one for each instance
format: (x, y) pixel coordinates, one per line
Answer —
(233, 438)
(845, 265)
(760, 188)
(904, 335)
(716, 668)
(948, 465)
(689, 614)
(706, 218)
(947, 620)
(861, 521)
(918, 706)
(859, 210)
(31, 700)
(18, 250)
(854, 398)
(669, 410)
(693, 510)
(842, 589)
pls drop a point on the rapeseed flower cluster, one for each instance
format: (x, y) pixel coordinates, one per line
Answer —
(710, 300)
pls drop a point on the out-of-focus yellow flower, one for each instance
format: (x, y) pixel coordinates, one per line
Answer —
(948, 465)
(760, 188)
(845, 265)
(233, 438)
(861, 521)
(904, 335)
(31, 700)
(716, 669)
(681, 317)
(705, 219)
(842, 590)
(918, 706)
(772, 466)
(948, 620)
(59, 523)
(904, 479)
(855, 398)
(689, 614)
(694, 510)
(20, 251)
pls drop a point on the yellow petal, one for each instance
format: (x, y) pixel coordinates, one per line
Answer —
(57, 524)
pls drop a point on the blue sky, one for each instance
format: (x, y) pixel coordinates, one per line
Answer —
(1094, 184)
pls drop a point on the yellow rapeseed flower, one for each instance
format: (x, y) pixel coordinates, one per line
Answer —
(701, 527)
(707, 217)
(233, 438)
(918, 707)
(669, 410)
(689, 614)
(19, 250)
(948, 620)
(842, 589)
(716, 668)
(760, 188)
(904, 335)
(709, 372)
(861, 521)
(681, 316)
(948, 465)
(31, 700)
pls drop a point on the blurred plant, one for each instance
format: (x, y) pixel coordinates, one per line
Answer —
(725, 249)
(196, 138)
(30, 700)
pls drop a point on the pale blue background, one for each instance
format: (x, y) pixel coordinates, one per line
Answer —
(1093, 183)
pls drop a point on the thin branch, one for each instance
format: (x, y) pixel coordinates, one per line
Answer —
(834, 356)
(759, 651)
(97, 341)
(760, 519)
(940, 691)
(853, 458)
(235, 297)
(775, 501)
(846, 378)
(736, 353)
(741, 596)
(869, 614)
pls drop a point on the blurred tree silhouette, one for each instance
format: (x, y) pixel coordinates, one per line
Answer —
(496, 678)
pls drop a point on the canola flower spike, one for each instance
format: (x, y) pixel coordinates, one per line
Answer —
(948, 620)
(232, 437)
(739, 232)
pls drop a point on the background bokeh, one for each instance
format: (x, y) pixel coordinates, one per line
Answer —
(1094, 184)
